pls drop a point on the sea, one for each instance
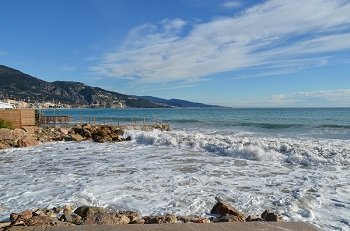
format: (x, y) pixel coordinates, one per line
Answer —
(294, 161)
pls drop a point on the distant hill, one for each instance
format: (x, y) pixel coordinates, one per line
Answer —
(17, 85)
(20, 86)
(177, 102)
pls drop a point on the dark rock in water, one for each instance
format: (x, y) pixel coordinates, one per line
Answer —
(225, 209)
(193, 219)
(251, 218)
(171, 219)
(268, 215)
(128, 138)
(85, 211)
(103, 218)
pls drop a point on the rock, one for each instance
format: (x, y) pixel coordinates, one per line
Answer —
(128, 138)
(251, 218)
(15, 217)
(227, 218)
(66, 218)
(27, 141)
(42, 221)
(103, 218)
(76, 219)
(171, 219)
(138, 222)
(5, 225)
(76, 137)
(45, 212)
(193, 219)
(4, 145)
(133, 216)
(85, 211)
(267, 215)
(224, 209)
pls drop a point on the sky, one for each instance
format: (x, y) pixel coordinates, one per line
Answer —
(270, 53)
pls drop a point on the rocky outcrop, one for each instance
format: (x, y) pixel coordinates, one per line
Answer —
(89, 215)
(16, 138)
(97, 133)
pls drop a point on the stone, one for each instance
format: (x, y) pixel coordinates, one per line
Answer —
(133, 216)
(27, 141)
(103, 218)
(4, 145)
(268, 215)
(167, 219)
(42, 221)
(76, 219)
(128, 138)
(193, 219)
(85, 211)
(251, 218)
(15, 217)
(66, 218)
(76, 137)
(224, 209)
(227, 218)
(138, 222)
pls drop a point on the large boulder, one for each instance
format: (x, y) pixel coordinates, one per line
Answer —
(27, 141)
(223, 209)
(85, 211)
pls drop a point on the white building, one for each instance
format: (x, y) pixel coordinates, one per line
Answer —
(6, 105)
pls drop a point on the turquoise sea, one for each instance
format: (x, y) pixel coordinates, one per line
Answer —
(333, 123)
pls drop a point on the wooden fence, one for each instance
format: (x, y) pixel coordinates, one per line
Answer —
(19, 118)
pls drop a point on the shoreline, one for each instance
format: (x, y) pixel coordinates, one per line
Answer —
(222, 216)
(33, 136)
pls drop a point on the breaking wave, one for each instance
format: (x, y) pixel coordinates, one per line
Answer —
(303, 151)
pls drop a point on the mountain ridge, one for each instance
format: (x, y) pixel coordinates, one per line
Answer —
(17, 85)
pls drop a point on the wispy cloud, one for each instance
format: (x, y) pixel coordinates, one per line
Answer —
(322, 98)
(277, 33)
(230, 4)
(3, 53)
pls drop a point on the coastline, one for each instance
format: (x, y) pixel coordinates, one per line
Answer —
(222, 217)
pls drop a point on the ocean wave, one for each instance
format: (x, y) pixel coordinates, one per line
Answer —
(269, 125)
(301, 151)
(336, 126)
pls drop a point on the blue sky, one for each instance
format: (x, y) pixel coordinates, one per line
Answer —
(276, 53)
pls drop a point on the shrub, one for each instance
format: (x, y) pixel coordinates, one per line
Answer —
(5, 124)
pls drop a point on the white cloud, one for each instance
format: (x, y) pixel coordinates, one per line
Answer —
(68, 68)
(321, 98)
(230, 4)
(277, 33)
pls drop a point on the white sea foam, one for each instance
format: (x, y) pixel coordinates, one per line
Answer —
(181, 172)
(303, 151)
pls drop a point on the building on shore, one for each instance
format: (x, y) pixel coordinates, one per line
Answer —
(6, 106)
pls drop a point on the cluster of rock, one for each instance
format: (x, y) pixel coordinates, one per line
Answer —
(16, 138)
(35, 135)
(87, 215)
